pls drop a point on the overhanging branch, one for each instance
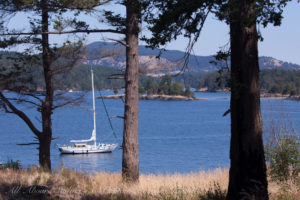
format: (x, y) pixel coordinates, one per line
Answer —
(65, 32)
(21, 114)
(31, 143)
(24, 100)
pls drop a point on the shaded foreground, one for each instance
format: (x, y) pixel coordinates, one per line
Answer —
(69, 184)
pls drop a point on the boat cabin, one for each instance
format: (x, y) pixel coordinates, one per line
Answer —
(80, 145)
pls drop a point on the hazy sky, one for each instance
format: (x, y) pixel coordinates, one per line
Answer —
(282, 42)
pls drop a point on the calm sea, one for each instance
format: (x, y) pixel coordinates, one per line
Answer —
(174, 136)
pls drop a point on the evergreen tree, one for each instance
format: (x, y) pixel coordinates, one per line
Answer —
(174, 17)
(44, 11)
(130, 161)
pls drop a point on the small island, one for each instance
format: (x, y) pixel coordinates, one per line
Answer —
(163, 89)
(161, 97)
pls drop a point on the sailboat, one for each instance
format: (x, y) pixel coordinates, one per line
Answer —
(81, 146)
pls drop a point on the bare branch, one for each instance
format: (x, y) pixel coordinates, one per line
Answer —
(21, 114)
(24, 100)
(65, 32)
(31, 143)
(63, 104)
(6, 109)
(192, 42)
(118, 41)
(111, 117)
(67, 100)
(34, 96)
(227, 112)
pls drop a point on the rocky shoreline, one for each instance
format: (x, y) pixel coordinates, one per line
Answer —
(155, 97)
(184, 98)
(279, 96)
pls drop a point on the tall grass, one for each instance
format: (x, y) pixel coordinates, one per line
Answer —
(69, 184)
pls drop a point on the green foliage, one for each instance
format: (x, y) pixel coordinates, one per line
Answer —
(176, 89)
(280, 81)
(11, 164)
(15, 72)
(152, 88)
(214, 81)
(19, 73)
(142, 90)
(165, 86)
(271, 81)
(188, 92)
(282, 151)
(173, 18)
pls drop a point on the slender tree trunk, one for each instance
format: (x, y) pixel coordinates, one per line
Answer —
(247, 170)
(45, 138)
(130, 162)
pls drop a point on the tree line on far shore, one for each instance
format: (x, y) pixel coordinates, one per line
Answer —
(167, 20)
(271, 81)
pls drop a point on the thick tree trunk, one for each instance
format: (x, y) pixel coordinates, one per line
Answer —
(45, 139)
(44, 152)
(247, 170)
(130, 162)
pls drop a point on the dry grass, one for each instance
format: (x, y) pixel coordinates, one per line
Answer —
(69, 184)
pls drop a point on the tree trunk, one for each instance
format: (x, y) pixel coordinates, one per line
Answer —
(247, 170)
(45, 139)
(44, 152)
(130, 162)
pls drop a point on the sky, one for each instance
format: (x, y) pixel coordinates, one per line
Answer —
(282, 43)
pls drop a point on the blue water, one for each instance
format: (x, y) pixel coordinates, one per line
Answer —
(174, 136)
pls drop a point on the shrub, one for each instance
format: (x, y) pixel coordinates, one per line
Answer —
(11, 164)
(283, 153)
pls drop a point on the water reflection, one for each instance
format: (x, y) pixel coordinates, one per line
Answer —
(90, 162)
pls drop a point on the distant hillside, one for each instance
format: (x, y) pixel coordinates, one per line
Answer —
(273, 79)
(169, 62)
(77, 78)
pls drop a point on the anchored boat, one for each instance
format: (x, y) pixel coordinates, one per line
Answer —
(81, 146)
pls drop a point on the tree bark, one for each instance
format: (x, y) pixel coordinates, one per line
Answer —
(45, 139)
(44, 152)
(130, 161)
(247, 170)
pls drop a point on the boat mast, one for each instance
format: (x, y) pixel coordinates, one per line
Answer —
(94, 109)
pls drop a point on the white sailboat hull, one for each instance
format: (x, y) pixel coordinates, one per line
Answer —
(101, 148)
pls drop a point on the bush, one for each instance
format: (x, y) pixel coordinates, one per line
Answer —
(11, 164)
(283, 154)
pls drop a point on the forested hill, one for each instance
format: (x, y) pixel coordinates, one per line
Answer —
(169, 59)
(78, 78)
